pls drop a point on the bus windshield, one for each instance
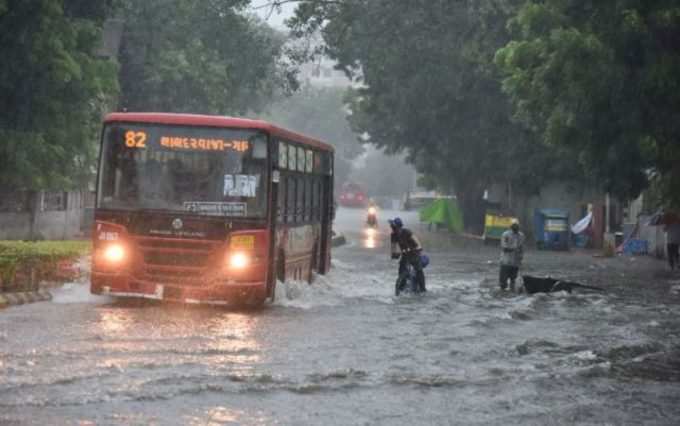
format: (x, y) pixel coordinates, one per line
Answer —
(201, 170)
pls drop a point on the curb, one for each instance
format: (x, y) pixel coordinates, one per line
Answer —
(20, 298)
(338, 240)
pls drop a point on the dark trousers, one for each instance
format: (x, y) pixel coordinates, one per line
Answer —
(414, 260)
(673, 255)
(506, 273)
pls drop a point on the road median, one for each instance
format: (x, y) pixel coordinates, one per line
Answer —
(25, 267)
(24, 297)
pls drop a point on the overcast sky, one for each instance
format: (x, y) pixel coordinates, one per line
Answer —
(275, 19)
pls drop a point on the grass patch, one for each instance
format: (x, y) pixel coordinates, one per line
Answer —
(24, 261)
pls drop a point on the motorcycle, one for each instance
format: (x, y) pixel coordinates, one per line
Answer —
(407, 283)
(372, 217)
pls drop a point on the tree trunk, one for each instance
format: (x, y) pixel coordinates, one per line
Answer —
(473, 206)
(34, 204)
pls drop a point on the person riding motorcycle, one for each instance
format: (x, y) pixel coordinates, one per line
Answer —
(407, 248)
(372, 215)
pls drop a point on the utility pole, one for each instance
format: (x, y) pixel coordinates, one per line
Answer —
(606, 213)
(609, 244)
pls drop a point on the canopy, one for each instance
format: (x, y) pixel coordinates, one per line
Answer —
(554, 213)
(582, 224)
(444, 212)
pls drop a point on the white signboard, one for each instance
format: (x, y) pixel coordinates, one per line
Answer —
(216, 208)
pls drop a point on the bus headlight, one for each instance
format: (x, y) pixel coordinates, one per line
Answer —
(114, 253)
(239, 260)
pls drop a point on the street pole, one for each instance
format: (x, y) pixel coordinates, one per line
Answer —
(609, 245)
(606, 212)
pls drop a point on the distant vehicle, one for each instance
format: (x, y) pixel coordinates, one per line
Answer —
(495, 223)
(372, 217)
(352, 195)
(208, 209)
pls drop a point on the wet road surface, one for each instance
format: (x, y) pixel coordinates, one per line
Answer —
(345, 351)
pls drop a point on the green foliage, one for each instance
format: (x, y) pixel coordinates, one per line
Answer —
(177, 55)
(44, 255)
(44, 249)
(199, 56)
(53, 89)
(430, 89)
(602, 80)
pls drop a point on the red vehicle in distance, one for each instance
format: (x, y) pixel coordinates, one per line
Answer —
(352, 195)
(207, 209)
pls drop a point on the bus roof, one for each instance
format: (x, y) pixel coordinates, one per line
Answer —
(213, 121)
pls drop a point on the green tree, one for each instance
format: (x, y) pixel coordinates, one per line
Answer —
(603, 80)
(199, 56)
(53, 89)
(430, 88)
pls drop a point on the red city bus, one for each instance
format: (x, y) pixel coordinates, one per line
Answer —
(352, 195)
(208, 209)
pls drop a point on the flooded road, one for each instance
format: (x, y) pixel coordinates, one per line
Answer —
(345, 351)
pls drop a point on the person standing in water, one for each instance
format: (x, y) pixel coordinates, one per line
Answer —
(512, 253)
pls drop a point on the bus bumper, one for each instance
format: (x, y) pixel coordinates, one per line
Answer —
(226, 293)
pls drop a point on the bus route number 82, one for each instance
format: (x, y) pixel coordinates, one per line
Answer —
(135, 139)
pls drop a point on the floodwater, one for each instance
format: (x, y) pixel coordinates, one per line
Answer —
(345, 351)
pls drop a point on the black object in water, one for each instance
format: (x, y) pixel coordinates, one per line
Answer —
(548, 285)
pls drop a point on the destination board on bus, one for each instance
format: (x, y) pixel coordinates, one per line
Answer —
(190, 140)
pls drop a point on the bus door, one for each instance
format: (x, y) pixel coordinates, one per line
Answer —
(326, 223)
(276, 212)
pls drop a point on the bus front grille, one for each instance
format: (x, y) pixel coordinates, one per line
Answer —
(175, 261)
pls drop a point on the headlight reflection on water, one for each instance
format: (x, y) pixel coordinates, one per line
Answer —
(172, 334)
(113, 322)
(233, 338)
(371, 240)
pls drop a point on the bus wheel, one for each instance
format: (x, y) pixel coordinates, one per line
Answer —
(271, 292)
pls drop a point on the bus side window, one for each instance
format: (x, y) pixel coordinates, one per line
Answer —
(290, 200)
(281, 202)
(308, 198)
(300, 200)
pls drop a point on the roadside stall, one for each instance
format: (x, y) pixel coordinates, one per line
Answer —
(551, 229)
(495, 223)
(443, 213)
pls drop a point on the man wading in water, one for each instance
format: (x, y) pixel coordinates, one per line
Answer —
(512, 252)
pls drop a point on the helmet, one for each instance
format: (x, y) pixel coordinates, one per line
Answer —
(424, 260)
(396, 222)
(514, 225)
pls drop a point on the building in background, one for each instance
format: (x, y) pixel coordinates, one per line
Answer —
(322, 73)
